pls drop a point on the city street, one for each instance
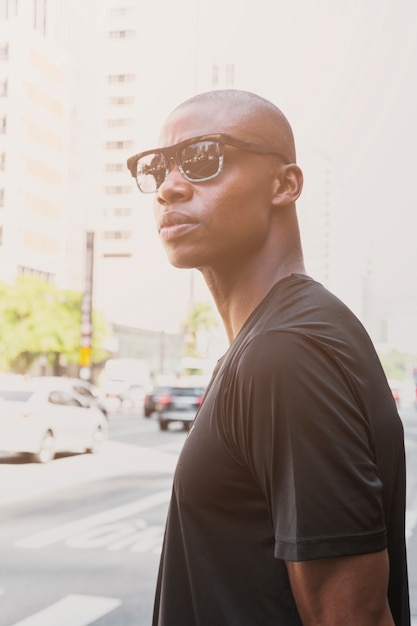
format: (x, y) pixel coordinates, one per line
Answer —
(80, 537)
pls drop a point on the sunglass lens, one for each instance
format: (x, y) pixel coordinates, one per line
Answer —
(151, 172)
(200, 160)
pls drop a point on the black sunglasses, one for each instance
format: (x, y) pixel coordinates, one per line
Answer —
(198, 159)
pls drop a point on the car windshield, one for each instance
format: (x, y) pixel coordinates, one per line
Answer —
(160, 390)
(187, 391)
(15, 395)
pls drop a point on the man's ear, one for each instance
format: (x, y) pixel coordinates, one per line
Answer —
(288, 185)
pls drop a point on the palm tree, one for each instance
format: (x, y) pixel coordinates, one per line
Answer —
(200, 318)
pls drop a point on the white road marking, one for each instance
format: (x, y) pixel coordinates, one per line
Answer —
(136, 536)
(65, 531)
(150, 538)
(73, 610)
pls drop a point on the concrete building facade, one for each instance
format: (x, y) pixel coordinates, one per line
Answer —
(48, 140)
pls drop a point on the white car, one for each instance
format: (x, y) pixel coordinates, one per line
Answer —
(42, 419)
(76, 385)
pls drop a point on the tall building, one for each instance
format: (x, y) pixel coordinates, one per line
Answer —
(48, 139)
(315, 216)
(137, 91)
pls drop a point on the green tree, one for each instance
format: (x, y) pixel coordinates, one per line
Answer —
(398, 365)
(37, 318)
(200, 318)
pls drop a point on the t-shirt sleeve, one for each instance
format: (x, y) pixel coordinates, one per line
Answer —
(296, 423)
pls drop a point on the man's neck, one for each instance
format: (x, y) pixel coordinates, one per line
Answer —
(237, 296)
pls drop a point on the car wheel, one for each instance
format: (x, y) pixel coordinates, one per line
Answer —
(46, 450)
(187, 426)
(163, 424)
(95, 445)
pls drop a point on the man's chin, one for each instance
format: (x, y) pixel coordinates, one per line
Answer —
(181, 263)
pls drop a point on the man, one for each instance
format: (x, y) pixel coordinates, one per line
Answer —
(289, 494)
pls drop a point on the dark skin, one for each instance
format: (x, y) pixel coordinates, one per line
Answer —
(241, 231)
(343, 591)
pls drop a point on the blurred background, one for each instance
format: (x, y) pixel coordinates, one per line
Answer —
(84, 85)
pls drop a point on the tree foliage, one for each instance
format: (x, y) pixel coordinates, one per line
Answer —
(398, 365)
(200, 318)
(37, 318)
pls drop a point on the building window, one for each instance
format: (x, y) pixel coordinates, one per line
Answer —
(117, 234)
(122, 212)
(215, 75)
(41, 100)
(3, 89)
(39, 16)
(121, 78)
(121, 100)
(1, 198)
(117, 212)
(2, 160)
(1, 235)
(117, 255)
(41, 171)
(8, 9)
(230, 75)
(3, 124)
(119, 145)
(121, 11)
(115, 167)
(117, 189)
(40, 242)
(4, 52)
(119, 122)
(121, 34)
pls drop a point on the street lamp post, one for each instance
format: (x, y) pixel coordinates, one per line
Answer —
(85, 354)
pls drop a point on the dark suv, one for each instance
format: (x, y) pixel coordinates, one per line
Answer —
(179, 404)
(151, 399)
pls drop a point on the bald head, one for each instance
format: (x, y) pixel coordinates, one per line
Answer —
(253, 113)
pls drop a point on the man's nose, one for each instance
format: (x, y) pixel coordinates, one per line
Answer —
(174, 187)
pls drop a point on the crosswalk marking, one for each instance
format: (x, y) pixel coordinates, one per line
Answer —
(64, 531)
(73, 610)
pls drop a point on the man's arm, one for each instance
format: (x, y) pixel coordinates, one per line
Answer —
(342, 591)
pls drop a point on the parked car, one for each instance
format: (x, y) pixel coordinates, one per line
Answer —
(151, 399)
(77, 385)
(41, 418)
(122, 379)
(133, 397)
(179, 404)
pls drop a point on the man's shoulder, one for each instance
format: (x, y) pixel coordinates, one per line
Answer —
(299, 318)
(300, 304)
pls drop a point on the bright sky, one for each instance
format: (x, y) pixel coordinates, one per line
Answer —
(344, 73)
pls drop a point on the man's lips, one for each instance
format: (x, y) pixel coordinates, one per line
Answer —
(175, 224)
(175, 218)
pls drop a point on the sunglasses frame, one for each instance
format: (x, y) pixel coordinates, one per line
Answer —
(172, 153)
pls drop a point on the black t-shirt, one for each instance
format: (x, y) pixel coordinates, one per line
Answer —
(297, 453)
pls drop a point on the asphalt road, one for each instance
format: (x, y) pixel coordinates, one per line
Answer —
(80, 537)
